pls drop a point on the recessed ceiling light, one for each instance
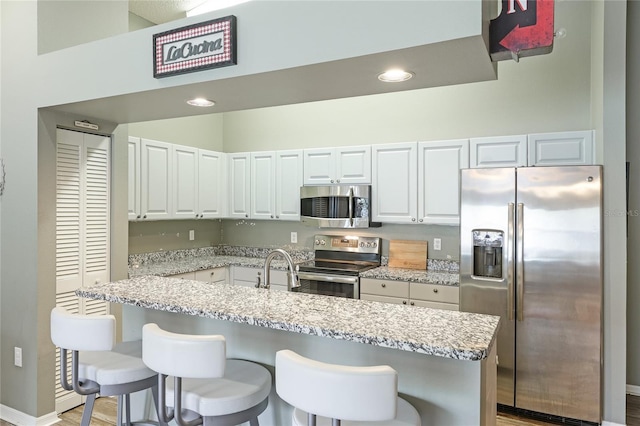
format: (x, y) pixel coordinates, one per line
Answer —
(201, 102)
(395, 76)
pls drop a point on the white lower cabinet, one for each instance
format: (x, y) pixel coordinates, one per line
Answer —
(409, 293)
(215, 275)
(248, 277)
(434, 296)
(185, 276)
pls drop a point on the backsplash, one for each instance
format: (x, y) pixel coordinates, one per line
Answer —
(221, 250)
(139, 259)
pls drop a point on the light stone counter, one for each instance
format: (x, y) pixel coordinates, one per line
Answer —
(413, 275)
(445, 360)
(450, 334)
(165, 269)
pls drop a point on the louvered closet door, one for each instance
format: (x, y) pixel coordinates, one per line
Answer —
(82, 228)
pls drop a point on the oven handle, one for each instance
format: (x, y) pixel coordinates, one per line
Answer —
(328, 278)
(350, 206)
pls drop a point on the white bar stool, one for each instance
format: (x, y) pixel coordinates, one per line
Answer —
(98, 367)
(330, 394)
(207, 388)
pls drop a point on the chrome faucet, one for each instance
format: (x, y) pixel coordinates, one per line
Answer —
(292, 276)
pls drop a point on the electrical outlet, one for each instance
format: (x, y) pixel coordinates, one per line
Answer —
(17, 356)
(192, 235)
(294, 237)
(437, 244)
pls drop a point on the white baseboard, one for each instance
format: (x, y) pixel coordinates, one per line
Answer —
(21, 419)
(611, 424)
(633, 390)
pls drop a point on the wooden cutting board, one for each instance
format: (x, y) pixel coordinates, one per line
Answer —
(408, 254)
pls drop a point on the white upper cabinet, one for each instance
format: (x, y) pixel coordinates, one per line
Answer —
(418, 182)
(289, 168)
(539, 149)
(276, 177)
(342, 165)
(395, 182)
(133, 196)
(263, 185)
(439, 165)
(239, 185)
(498, 151)
(169, 181)
(562, 148)
(212, 184)
(185, 182)
(156, 168)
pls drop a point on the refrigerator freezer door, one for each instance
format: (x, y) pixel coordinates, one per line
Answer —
(486, 228)
(559, 330)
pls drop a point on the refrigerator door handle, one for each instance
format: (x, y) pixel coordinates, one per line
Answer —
(520, 261)
(510, 243)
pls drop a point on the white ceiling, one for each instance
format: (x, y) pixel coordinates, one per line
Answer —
(161, 11)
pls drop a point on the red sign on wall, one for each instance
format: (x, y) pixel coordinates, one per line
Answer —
(524, 28)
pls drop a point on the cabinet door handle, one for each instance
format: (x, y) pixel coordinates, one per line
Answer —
(144, 217)
(420, 220)
(404, 302)
(435, 290)
(277, 217)
(331, 180)
(383, 285)
(412, 303)
(413, 219)
(337, 180)
(271, 216)
(138, 217)
(246, 215)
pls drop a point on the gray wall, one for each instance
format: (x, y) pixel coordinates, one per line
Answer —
(82, 22)
(200, 131)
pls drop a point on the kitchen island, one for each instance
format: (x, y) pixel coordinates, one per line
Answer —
(445, 360)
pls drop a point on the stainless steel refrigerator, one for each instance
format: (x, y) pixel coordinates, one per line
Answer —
(531, 252)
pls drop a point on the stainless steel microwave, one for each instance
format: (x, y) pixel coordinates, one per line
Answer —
(336, 206)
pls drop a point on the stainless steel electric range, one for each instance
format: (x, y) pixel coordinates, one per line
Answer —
(339, 259)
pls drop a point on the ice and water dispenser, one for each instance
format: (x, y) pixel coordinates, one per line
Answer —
(487, 253)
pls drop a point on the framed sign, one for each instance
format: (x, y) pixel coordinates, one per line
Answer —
(206, 45)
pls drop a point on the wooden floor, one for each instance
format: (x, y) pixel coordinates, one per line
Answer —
(104, 414)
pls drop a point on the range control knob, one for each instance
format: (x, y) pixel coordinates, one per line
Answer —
(317, 242)
(322, 242)
(361, 244)
(374, 244)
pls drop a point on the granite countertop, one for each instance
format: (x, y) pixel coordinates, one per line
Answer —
(413, 275)
(450, 334)
(199, 263)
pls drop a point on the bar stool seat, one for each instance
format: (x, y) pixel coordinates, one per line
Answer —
(99, 367)
(206, 385)
(331, 394)
(123, 364)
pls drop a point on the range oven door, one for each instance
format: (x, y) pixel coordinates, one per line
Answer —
(347, 286)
